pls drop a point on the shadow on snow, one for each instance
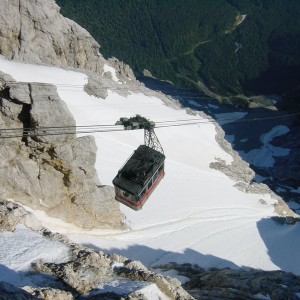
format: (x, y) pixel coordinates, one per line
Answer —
(282, 242)
(155, 257)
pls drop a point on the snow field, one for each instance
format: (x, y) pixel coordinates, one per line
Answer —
(196, 214)
(264, 157)
(22, 247)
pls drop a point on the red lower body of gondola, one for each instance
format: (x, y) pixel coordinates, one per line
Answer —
(140, 201)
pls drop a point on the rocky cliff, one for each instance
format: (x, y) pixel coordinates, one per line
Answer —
(34, 31)
(54, 173)
(244, 284)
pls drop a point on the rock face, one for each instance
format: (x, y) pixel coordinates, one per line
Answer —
(84, 272)
(12, 214)
(123, 71)
(34, 31)
(217, 284)
(49, 168)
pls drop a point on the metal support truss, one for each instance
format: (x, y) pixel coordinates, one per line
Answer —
(151, 140)
(139, 122)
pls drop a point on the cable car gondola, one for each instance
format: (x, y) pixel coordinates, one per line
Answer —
(144, 169)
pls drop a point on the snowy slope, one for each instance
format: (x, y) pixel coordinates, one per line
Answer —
(22, 247)
(195, 215)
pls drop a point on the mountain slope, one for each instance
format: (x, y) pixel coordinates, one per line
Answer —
(197, 214)
(234, 47)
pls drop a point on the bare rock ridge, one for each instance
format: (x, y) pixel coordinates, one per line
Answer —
(54, 173)
(84, 271)
(34, 31)
(244, 284)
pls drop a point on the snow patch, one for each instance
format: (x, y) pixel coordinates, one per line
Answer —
(21, 248)
(112, 71)
(117, 264)
(173, 274)
(195, 103)
(260, 296)
(124, 287)
(264, 157)
(275, 132)
(213, 106)
(242, 20)
(225, 118)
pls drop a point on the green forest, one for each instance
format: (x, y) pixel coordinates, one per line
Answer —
(235, 47)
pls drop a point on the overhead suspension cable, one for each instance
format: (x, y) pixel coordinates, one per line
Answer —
(188, 94)
(160, 123)
(82, 129)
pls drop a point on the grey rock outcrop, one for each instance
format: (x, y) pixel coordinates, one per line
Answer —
(12, 214)
(48, 293)
(49, 168)
(217, 284)
(123, 71)
(89, 268)
(238, 170)
(34, 31)
(122, 82)
(84, 272)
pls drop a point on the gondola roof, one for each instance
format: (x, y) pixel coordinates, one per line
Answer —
(139, 169)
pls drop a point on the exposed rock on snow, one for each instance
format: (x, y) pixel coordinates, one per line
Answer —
(238, 170)
(84, 272)
(30, 163)
(237, 284)
(35, 31)
(123, 71)
(243, 175)
(12, 214)
(122, 82)
(48, 293)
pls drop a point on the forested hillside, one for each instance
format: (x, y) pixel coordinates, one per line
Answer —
(234, 47)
